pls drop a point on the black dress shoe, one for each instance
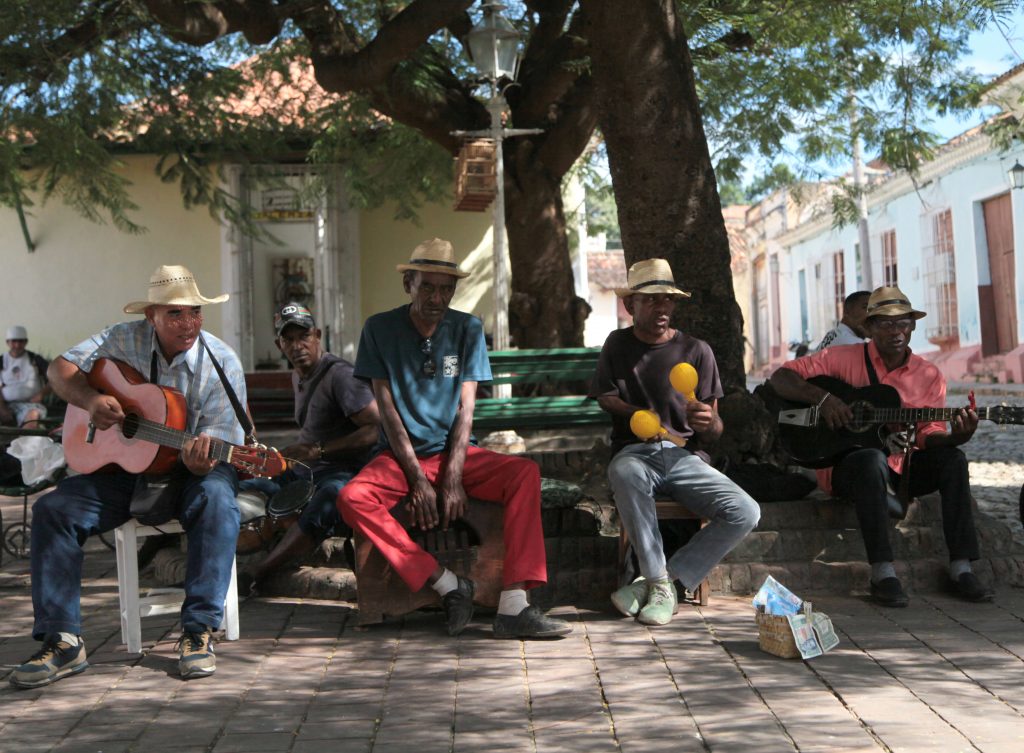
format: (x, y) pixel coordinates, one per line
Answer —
(969, 588)
(458, 606)
(530, 624)
(889, 593)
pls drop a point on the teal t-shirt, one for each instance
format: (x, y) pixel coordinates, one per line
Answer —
(425, 374)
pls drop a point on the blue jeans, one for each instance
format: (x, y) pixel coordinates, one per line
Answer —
(639, 472)
(319, 518)
(84, 505)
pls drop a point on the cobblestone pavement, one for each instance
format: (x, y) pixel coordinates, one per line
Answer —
(996, 453)
(938, 676)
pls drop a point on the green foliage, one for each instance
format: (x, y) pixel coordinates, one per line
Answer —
(81, 81)
(780, 176)
(819, 73)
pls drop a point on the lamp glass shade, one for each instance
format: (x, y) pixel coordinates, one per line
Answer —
(1016, 174)
(494, 44)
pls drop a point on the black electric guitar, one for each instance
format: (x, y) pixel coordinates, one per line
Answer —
(812, 444)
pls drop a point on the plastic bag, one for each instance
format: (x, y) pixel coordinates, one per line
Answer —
(41, 458)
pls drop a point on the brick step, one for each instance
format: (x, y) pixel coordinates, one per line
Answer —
(925, 575)
(846, 544)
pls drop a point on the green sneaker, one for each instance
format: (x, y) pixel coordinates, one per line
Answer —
(56, 659)
(196, 657)
(630, 597)
(661, 604)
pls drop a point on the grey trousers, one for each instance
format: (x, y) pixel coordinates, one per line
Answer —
(642, 471)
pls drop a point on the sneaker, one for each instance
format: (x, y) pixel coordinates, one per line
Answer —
(631, 597)
(662, 601)
(530, 623)
(196, 658)
(458, 605)
(56, 659)
(969, 588)
(889, 593)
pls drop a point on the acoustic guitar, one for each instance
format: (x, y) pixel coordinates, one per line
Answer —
(152, 433)
(811, 443)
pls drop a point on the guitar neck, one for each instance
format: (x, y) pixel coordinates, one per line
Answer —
(152, 431)
(915, 415)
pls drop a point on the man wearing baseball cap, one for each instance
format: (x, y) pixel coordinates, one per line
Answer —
(339, 427)
(167, 347)
(424, 361)
(23, 382)
(867, 476)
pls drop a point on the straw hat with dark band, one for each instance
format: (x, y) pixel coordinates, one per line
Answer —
(889, 300)
(650, 277)
(172, 286)
(435, 255)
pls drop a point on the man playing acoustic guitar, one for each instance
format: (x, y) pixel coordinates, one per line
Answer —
(167, 347)
(865, 475)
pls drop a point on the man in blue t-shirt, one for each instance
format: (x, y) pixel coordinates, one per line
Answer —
(424, 361)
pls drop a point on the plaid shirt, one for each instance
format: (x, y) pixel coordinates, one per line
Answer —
(135, 342)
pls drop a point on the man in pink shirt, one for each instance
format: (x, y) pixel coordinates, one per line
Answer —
(867, 476)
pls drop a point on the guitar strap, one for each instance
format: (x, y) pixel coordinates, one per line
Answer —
(872, 374)
(243, 417)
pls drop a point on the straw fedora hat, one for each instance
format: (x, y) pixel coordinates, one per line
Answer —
(650, 277)
(889, 300)
(435, 255)
(172, 286)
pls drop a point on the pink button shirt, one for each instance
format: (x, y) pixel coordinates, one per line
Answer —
(918, 382)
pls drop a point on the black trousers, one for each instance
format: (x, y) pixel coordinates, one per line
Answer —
(861, 477)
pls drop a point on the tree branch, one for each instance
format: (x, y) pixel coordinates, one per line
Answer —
(340, 67)
(546, 75)
(733, 41)
(201, 23)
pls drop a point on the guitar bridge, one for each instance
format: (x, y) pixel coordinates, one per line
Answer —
(799, 416)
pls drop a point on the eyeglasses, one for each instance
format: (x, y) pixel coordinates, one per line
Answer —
(891, 325)
(429, 368)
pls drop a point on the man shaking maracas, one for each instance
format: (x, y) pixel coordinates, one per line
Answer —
(633, 374)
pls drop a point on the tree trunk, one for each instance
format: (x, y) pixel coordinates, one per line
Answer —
(544, 311)
(660, 165)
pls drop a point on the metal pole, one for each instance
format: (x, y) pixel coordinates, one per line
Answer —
(500, 335)
(863, 237)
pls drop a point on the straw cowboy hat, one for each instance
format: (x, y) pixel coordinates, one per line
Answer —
(650, 277)
(172, 286)
(434, 255)
(889, 300)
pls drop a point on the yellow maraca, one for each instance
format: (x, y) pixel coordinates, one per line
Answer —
(645, 424)
(684, 380)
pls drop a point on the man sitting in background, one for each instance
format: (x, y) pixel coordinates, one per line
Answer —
(23, 377)
(850, 329)
(338, 428)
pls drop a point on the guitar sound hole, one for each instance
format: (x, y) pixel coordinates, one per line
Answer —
(862, 412)
(130, 425)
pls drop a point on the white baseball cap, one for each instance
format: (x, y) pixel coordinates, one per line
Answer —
(17, 332)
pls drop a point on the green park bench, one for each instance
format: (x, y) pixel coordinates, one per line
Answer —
(273, 407)
(571, 368)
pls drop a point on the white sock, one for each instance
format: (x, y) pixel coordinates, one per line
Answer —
(958, 568)
(69, 638)
(882, 570)
(512, 602)
(447, 582)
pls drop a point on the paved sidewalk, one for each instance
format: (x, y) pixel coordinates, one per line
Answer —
(939, 676)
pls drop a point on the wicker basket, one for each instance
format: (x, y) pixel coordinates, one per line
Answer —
(775, 636)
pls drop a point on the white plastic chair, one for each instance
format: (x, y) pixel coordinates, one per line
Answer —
(158, 600)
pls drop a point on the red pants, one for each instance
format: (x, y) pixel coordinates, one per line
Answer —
(511, 481)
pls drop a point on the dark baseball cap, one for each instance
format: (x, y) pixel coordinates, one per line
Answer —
(293, 313)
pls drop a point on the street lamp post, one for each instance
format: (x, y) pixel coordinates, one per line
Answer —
(494, 49)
